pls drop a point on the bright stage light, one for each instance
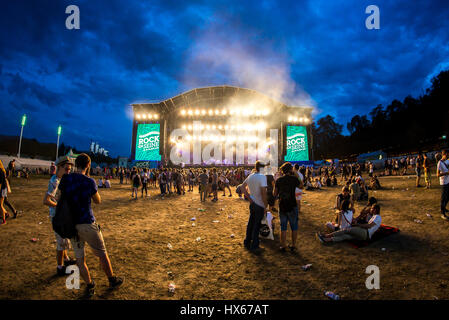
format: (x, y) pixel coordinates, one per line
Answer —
(197, 112)
(232, 127)
(226, 127)
(211, 112)
(138, 116)
(231, 112)
(190, 127)
(258, 113)
(183, 112)
(184, 126)
(144, 116)
(220, 127)
(223, 112)
(203, 112)
(202, 127)
(214, 127)
(217, 112)
(156, 116)
(289, 118)
(190, 112)
(295, 119)
(189, 138)
(265, 112)
(150, 116)
(208, 127)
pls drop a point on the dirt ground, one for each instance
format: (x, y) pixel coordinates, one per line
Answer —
(413, 265)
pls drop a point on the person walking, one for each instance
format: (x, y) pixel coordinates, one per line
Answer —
(63, 166)
(443, 175)
(257, 195)
(80, 190)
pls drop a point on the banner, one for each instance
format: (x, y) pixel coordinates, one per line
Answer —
(297, 145)
(147, 142)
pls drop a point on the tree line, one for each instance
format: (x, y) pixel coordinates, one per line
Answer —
(413, 125)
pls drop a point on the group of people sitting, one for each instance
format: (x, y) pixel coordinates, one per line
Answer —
(346, 226)
(104, 182)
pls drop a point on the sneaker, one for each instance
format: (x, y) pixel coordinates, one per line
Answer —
(61, 271)
(90, 290)
(444, 217)
(115, 282)
(69, 262)
(282, 249)
(230, 195)
(320, 237)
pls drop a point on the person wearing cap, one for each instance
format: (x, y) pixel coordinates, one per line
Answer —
(256, 182)
(64, 166)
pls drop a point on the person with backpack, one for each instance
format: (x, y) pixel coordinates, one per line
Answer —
(63, 166)
(285, 188)
(443, 175)
(78, 190)
(136, 184)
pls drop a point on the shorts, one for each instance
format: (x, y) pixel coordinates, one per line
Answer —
(203, 187)
(214, 187)
(61, 243)
(91, 234)
(291, 217)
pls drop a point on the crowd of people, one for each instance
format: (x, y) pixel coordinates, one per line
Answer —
(263, 190)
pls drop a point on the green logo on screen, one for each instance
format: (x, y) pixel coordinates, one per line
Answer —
(297, 147)
(147, 142)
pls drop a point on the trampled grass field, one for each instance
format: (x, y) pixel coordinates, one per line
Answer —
(413, 264)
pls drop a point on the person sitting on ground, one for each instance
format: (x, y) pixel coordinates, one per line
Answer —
(365, 214)
(308, 184)
(355, 190)
(107, 183)
(362, 231)
(334, 180)
(100, 183)
(317, 184)
(344, 217)
(363, 190)
(374, 183)
(344, 195)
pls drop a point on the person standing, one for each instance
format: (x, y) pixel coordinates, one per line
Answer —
(443, 175)
(427, 173)
(64, 166)
(419, 166)
(285, 188)
(215, 184)
(80, 190)
(257, 195)
(144, 179)
(203, 180)
(3, 192)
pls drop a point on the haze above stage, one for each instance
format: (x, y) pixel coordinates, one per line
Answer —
(219, 108)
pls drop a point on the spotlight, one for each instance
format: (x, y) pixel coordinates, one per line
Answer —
(156, 116)
(202, 127)
(289, 118)
(144, 116)
(231, 112)
(197, 112)
(217, 112)
(183, 112)
(190, 127)
(189, 138)
(211, 112)
(150, 116)
(223, 112)
(184, 127)
(214, 127)
(220, 127)
(258, 113)
(190, 112)
(265, 112)
(295, 119)
(203, 112)
(138, 116)
(208, 127)
(226, 127)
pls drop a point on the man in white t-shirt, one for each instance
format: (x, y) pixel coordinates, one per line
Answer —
(443, 174)
(257, 195)
(362, 231)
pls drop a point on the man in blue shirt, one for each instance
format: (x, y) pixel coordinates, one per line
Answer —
(79, 190)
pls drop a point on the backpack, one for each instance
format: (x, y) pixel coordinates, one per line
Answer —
(64, 220)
